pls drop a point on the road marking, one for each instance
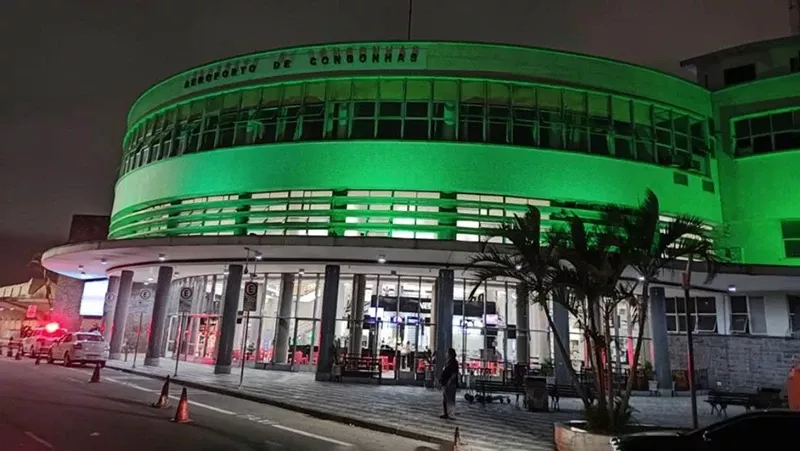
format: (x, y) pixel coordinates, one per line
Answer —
(308, 434)
(194, 403)
(41, 441)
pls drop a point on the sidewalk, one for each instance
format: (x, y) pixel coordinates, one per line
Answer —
(408, 411)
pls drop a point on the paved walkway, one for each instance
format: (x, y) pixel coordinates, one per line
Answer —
(414, 410)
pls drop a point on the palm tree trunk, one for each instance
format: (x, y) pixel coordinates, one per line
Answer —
(563, 350)
(643, 305)
(609, 369)
(595, 350)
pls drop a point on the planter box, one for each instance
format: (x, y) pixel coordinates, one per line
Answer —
(573, 436)
(570, 436)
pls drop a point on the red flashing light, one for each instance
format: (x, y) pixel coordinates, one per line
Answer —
(51, 327)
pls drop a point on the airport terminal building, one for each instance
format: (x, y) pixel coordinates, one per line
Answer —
(351, 182)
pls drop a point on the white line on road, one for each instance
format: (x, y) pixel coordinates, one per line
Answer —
(308, 434)
(194, 403)
(41, 441)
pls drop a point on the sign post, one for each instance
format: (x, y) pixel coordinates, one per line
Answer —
(138, 334)
(184, 306)
(249, 304)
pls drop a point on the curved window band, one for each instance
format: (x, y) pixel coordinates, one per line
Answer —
(449, 110)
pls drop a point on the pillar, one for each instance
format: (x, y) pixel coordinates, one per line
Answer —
(284, 316)
(159, 316)
(561, 322)
(523, 328)
(540, 339)
(108, 307)
(357, 313)
(120, 314)
(330, 298)
(444, 316)
(658, 329)
(227, 334)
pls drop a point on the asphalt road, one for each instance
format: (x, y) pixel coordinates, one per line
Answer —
(50, 407)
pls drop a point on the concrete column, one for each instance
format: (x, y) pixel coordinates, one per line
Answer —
(330, 299)
(227, 333)
(540, 340)
(159, 316)
(658, 329)
(284, 317)
(120, 314)
(357, 313)
(108, 307)
(523, 327)
(444, 316)
(561, 321)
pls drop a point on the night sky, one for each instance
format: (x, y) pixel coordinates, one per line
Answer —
(71, 68)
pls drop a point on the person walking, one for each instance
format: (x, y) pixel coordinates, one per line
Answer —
(449, 382)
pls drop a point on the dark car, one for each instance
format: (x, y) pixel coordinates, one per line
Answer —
(747, 431)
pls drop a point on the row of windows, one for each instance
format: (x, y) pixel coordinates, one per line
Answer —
(397, 214)
(769, 133)
(748, 314)
(417, 109)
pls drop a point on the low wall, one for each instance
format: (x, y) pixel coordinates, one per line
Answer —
(738, 362)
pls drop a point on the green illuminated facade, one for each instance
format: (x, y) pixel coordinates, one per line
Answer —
(408, 140)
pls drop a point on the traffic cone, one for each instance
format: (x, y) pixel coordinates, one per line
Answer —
(95, 374)
(182, 414)
(163, 400)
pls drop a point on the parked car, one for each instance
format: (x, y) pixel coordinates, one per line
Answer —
(752, 429)
(38, 341)
(79, 348)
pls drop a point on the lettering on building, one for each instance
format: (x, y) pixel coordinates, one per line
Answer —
(350, 57)
(227, 71)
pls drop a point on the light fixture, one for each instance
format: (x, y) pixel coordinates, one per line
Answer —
(302, 271)
(732, 288)
(381, 259)
(80, 267)
(161, 257)
(518, 266)
(641, 278)
(83, 273)
(259, 256)
(103, 261)
(147, 283)
(225, 271)
(177, 273)
(149, 279)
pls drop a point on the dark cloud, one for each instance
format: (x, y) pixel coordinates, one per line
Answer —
(72, 68)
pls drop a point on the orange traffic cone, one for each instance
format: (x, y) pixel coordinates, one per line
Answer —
(163, 400)
(95, 374)
(182, 414)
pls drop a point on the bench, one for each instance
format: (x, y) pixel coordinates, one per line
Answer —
(361, 367)
(720, 400)
(558, 391)
(484, 388)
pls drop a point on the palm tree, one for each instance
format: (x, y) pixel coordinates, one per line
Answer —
(656, 247)
(528, 261)
(588, 261)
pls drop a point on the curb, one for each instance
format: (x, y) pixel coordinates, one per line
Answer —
(249, 396)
